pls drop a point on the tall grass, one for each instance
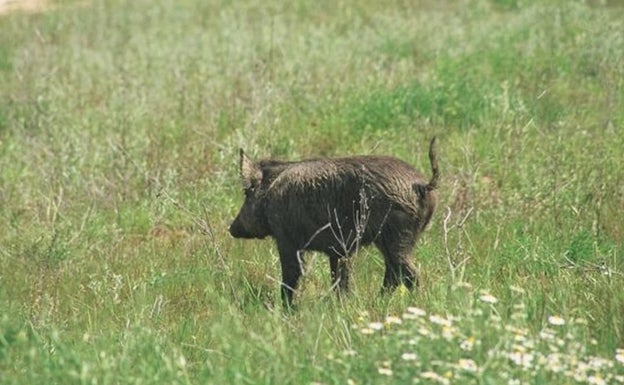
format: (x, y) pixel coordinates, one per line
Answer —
(119, 127)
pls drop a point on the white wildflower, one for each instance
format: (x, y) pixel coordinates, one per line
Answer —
(556, 320)
(547, 335)
(438, 320)
(376, 325)
(467, 365)
(523, 359)
(468, 344)
(385, 371)
(488, 298)
(416, 311)
(598, 363)
(448, 332)
(554, 362)
(434, 377)
(596, 380)
(619, 355)
(392, 320)
(423, 331)
(517, 289)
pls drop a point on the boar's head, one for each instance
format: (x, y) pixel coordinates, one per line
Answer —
(251, 221)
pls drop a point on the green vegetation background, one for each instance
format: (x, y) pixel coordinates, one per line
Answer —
(120, 123)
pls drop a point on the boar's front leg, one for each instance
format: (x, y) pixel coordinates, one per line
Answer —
(291, 271)
(339, 272)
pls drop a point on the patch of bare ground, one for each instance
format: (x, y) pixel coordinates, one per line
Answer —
(8, 6)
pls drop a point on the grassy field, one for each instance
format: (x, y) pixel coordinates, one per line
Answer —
(120, 123)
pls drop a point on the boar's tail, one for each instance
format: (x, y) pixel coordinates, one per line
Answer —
(433, 159)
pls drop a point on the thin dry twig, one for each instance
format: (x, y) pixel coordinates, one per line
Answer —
(453, 266)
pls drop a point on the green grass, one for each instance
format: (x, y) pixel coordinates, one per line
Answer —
(120, 123)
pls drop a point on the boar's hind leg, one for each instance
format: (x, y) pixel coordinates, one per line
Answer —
(291, 271)
(339, 272)
(396, 242)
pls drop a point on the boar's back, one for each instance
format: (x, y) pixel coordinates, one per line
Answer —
(308, 195)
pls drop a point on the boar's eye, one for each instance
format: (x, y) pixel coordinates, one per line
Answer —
(249, 190)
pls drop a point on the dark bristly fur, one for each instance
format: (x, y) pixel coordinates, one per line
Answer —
(335, 206)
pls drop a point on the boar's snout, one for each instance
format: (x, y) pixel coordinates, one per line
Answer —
(237, 230)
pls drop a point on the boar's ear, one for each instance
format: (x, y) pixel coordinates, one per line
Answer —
(250, 173)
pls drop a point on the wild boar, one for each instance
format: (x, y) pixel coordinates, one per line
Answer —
(335, 206)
